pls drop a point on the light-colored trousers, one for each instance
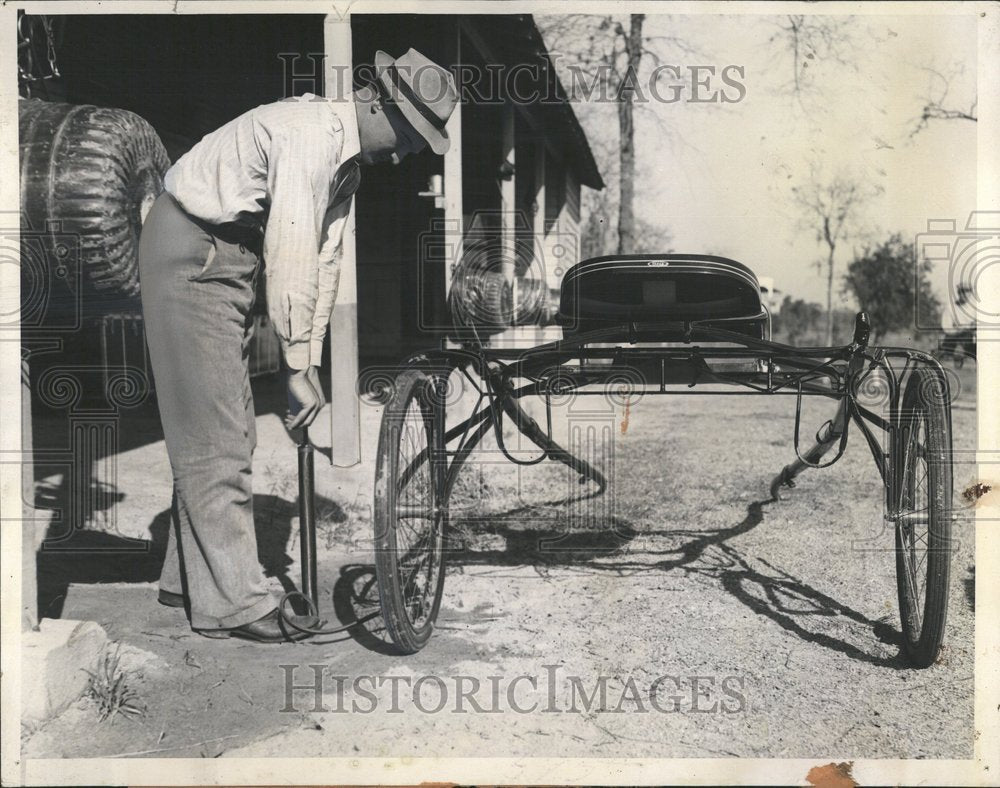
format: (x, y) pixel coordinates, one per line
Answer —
(197, 292)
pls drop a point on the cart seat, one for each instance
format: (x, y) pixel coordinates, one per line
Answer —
(666, 288)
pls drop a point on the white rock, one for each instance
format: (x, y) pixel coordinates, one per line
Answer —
(54, 664)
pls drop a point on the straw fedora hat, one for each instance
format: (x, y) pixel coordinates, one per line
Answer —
(424, 92)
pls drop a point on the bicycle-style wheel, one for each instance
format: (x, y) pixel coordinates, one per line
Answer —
(923, 479)
(410, 517)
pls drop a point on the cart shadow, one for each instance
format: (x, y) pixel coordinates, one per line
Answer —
(355, 595)
(355, 599)
(792, 604)
(796, 606)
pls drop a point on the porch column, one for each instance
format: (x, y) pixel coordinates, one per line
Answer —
(345, 416)
(29, 542)
(538, 228)
(454, 220)
(507, 194)
(542, 262)
(508, 205)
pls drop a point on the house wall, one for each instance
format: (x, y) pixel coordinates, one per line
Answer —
(561, 242)
(186, 74)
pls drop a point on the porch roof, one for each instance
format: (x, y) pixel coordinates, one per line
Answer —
(516, 40)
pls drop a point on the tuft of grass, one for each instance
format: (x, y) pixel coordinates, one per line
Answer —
(110, 689)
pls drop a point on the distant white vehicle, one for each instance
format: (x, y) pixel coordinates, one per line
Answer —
(769, 295)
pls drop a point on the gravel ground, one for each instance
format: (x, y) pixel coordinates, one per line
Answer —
(719, 623)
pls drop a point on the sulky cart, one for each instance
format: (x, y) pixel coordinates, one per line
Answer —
(648, 325)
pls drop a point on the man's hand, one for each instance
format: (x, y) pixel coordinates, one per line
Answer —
(305, 397)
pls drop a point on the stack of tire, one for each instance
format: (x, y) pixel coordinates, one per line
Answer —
(483, 299)
(91, 174)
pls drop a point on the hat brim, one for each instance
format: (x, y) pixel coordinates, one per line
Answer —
(437, 139)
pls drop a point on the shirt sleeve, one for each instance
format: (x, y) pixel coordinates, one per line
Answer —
(301, 164)
(329, 275)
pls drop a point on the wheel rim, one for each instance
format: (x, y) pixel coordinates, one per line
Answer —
(914, 523)
(416, 538)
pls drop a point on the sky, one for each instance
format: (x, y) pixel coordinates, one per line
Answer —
(719, 176)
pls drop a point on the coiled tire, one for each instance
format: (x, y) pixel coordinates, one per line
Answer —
(93, 172)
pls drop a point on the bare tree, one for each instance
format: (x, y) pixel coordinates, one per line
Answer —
(633, 45)
(600, 58)
(832, 208)
(596, 237)
(808, 41)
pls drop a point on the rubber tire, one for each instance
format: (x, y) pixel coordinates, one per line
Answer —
(922, 647)
(92, 172)
(410, 386)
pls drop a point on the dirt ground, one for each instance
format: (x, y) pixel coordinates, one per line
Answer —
(719, 623)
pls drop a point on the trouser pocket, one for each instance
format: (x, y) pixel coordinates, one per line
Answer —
(206, 270)
(228, 261)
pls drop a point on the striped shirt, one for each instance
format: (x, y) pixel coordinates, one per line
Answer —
(290, 167)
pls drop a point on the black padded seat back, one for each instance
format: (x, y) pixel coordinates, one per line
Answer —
(666, 288)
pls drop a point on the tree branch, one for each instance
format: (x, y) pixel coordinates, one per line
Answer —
(936, 107)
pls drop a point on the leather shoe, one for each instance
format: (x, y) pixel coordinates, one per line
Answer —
(170, 599)
(267, 629)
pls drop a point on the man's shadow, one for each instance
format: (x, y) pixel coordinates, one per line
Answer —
(73, 552)
(93, 557)
(273, 519)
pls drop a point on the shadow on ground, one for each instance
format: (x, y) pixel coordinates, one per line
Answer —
(93, 557)
(612, 546)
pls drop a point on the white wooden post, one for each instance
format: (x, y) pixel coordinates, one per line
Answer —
(29, 576)
(345, 415)
(507, 215)
(507, 193)
(454, 221)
